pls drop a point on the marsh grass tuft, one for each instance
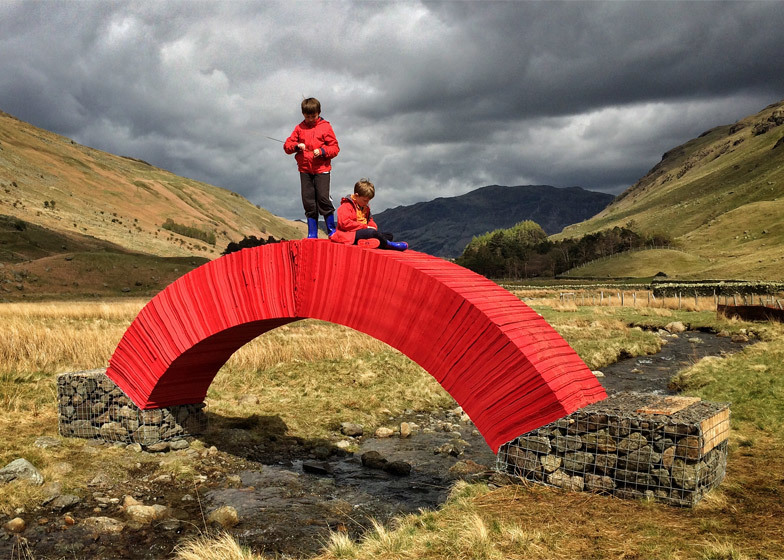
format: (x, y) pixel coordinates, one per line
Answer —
(213, 547)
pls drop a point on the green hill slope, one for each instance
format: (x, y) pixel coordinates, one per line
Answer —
(53, 182)
(720, 196)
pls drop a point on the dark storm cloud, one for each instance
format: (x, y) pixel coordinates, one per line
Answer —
(427, 99)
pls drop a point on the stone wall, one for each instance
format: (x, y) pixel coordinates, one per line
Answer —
(91, 406)
(631, 445)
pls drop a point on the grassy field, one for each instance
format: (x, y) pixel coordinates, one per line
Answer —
(300, 372)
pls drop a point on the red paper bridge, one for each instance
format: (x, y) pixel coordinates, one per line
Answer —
(509, 370)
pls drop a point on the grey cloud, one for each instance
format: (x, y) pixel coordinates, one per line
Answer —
(427, 98)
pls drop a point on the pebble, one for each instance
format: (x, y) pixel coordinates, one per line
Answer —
(225, 516)
(384, 433)
(16, 525)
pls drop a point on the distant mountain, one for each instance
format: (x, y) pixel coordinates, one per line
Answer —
(444, 226)
(719, 196)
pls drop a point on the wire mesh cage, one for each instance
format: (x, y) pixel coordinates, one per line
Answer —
(630, 445)
(91, 406)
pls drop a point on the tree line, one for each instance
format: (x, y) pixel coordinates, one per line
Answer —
(524, 251)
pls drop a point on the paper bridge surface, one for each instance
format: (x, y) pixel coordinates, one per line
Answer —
(502, 362)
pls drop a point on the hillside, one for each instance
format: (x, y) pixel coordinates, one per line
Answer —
(444, 226)
(52, 182)
(719, 196)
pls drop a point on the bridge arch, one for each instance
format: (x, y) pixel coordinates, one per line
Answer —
(509, 370)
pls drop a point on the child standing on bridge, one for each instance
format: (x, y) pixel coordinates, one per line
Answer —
(314, 144)
(355, 222)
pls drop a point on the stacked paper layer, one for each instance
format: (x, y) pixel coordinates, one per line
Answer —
(508, 369)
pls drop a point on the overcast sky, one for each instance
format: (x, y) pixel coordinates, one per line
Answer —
(427, 99)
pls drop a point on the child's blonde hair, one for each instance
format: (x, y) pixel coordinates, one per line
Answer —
(364, 187)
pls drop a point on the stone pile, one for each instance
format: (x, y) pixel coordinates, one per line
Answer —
(631, 445)
(91, 406)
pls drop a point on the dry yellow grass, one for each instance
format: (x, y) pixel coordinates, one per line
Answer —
(219, 547)
(641, 300)
(297, 371)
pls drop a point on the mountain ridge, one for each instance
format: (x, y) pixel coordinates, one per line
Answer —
(719, 196)
(445, 225)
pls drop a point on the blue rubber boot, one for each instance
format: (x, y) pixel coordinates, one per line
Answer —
(312, 228)
(397, 245)
(329, 219)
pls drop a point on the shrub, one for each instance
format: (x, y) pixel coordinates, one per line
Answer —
(189, 231)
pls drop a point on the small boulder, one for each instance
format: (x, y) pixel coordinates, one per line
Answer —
(314, 467)
(225, 516)
(467, 469)
(675, 327)
(398, 468)
(16, 525)
(21, 469)
(373, 460)
(103, 525)
(145, 515)
(350, 429)
(63, 502)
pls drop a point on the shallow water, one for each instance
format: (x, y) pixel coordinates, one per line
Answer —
(651, 374)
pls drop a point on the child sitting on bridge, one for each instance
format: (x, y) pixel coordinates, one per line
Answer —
(356, 225)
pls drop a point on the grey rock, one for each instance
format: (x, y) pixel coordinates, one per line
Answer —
(565, 481)
(178, 444)
(598, 483)
(373, 460)
(63, 502)
(21, 469)
(350, 429)
(577, 461)
(398, 468)
(105, 525)
(46, 442)
(537, 444)
(314, 467)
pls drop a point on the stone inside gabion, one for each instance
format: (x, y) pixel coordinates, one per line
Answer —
(630, 445)
(91, 406)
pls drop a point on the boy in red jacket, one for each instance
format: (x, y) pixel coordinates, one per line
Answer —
(356, 225)
(314, 144)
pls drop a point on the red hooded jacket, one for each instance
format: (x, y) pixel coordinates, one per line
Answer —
(318, 135)
(349, 221)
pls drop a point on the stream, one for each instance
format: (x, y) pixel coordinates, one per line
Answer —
(290, 494)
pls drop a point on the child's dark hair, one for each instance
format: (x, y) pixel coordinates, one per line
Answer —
(364, 187)
(311, 106)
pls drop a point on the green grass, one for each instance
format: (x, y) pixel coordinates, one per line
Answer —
(752, 380)
(642, 264)
(715, 195)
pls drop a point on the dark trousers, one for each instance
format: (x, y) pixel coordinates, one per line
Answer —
(315, 194)
(370, 233)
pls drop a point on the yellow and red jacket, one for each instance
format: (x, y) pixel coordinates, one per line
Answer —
(316, 136)
(351, 217)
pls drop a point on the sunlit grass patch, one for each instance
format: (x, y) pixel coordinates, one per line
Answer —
(751, 380)
(313, 398)
(214, 547)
